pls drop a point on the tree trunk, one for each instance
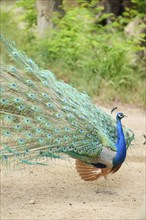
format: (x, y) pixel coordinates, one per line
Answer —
(45, 9)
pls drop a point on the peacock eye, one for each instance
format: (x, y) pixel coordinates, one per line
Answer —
(120, 115)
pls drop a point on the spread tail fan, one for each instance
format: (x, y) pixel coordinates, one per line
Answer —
(43, 117)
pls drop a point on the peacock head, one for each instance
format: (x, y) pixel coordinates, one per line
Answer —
(120, 115)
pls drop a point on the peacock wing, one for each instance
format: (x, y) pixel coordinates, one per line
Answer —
(88, 172)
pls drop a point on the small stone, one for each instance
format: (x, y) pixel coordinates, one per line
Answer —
(31, 201)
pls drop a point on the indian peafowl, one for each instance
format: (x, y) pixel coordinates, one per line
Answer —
(43, 117)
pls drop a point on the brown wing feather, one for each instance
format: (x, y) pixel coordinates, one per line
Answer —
(86, 171)
(89, 172)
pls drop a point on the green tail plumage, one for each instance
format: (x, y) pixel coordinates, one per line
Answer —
(44, 117)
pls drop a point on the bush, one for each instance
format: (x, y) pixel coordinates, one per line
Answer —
(97, 59)
(92, 56)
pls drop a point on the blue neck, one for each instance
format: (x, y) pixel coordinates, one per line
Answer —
(120, 145)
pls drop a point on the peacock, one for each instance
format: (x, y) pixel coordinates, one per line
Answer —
(42, 117)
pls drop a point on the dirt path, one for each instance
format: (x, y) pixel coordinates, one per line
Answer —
(57, 192)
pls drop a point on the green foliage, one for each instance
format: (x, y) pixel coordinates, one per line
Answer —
(139, 6)
(8, 24)
(97, 59)
(14, 28)
(9, 27)
(94, 56)
(30, 15)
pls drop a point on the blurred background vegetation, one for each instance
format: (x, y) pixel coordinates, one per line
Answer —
(98, 46)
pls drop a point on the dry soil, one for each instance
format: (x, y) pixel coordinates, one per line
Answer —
(57, 192)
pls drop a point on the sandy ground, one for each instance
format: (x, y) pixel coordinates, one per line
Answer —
(57, 192)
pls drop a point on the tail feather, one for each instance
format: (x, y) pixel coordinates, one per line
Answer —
(44, 117)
